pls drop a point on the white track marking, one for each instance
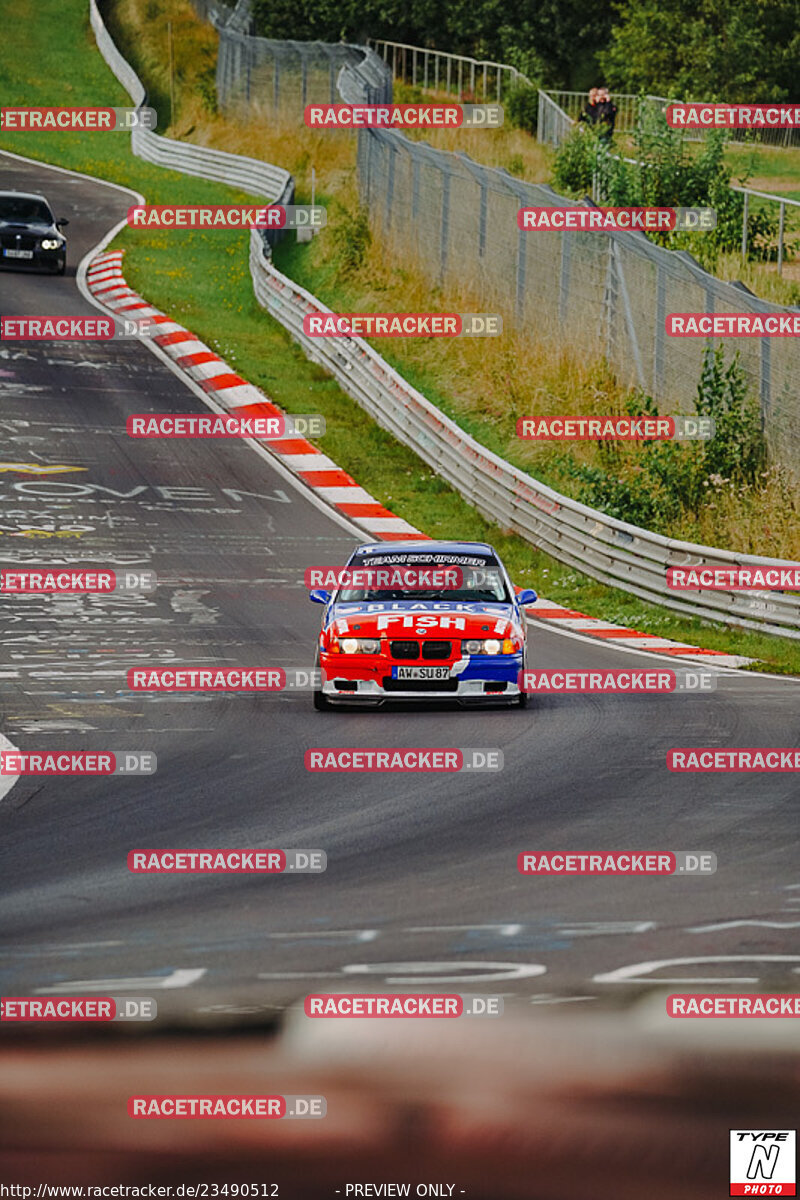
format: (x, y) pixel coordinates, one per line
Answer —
(180, 978)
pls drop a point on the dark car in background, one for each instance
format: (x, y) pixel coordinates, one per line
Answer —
(30, 236)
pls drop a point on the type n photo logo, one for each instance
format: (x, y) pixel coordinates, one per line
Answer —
(762, 1162)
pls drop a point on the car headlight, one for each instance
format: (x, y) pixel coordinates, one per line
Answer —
(51, 243)
(491, 646)
(350, 645)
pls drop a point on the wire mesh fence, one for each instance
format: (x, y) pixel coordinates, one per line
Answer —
(604, 294)
(597, 294)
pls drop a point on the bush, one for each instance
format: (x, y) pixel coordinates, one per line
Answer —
(352, 238)
(665, 175)
(576, 161)
(521, 104)
(655, 484)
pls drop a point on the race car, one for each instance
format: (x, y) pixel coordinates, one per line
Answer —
(30, 236)
(421, 620)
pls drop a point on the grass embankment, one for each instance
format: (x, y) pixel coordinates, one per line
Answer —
(203, 280)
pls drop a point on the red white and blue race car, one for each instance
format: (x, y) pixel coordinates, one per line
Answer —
(422, 620)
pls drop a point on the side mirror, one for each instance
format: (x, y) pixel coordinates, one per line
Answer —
(61, 221)
(527, 596)
(319, 596)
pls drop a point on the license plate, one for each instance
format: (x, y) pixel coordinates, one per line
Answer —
(420, 672)
(18, 253)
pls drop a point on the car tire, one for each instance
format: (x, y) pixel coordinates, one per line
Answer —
(522, 699)
(62, 270)
(321, 702)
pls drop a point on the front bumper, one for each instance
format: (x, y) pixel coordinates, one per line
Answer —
(43, 260)
(354, 679)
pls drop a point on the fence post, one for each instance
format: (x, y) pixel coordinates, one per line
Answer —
(610, 302)
(445, 230)
(765, 391)
(780, 236)
(629, 322)
(563, 282)
(744, 225)
(659, 333)
(522, 252)
(390, 188)
(414, 184)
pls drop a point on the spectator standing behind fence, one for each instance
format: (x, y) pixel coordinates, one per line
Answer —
(590, 110)
(606, 113)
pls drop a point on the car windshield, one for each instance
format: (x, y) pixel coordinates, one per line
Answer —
(459, 578)
(25, 209)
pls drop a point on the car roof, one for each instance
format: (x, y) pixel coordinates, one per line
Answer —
(427, 548)
(25, 195)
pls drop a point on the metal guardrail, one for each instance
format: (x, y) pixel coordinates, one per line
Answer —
(441, 71)
(604, 548)
(781, 201)
(249, 174)
(609, 550)
(553, 125)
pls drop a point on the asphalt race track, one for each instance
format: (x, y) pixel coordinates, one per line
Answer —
(422, 882)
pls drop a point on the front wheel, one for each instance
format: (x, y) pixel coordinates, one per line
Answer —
(522, 701)
(321, 702)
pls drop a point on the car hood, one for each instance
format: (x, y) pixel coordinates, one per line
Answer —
(416, 618)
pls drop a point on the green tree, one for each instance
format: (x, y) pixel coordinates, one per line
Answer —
(743, 50)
